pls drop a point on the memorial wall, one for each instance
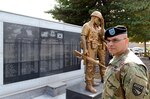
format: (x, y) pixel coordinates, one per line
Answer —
(32, 52)
(35, 53)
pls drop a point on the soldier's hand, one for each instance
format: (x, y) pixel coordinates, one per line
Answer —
(85, 52)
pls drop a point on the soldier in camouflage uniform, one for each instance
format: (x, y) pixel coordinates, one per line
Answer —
(90, 42)
(126, 77)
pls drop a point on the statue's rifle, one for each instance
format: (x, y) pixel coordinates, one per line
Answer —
(81, 56)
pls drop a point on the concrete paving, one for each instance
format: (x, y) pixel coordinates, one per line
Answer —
(62, 96)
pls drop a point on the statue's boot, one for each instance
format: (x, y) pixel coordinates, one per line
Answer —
(90, 88)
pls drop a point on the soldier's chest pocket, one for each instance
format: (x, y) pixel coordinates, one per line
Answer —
(112, 84)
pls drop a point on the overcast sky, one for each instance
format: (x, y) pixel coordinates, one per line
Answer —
(34, 8)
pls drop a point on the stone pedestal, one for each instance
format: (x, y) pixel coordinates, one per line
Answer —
(78, 92)
(56, 88)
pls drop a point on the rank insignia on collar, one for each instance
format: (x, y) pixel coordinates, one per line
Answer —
(112, 31)
(137, 89)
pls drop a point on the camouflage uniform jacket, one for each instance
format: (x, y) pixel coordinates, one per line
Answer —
(126, 78)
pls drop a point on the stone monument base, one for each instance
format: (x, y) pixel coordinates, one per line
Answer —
(78, 92)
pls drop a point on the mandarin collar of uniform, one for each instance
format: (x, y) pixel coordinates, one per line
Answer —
(115, 60)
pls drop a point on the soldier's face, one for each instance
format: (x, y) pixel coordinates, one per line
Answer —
(117, 44)
(97, 21)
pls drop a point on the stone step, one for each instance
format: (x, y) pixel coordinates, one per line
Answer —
(28, 94)
(55, 89)
(49, 90)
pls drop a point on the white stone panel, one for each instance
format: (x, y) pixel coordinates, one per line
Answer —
(1, 53)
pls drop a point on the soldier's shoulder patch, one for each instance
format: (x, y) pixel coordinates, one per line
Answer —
(137, 89)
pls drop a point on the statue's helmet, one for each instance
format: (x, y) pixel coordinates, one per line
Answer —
(97, 14)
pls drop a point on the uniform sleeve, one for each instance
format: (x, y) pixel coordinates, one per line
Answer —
(135, 82)
(85, 30)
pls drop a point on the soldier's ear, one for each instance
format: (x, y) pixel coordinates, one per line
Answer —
(127, 40)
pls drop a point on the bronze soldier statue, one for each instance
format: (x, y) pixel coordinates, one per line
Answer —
(91, 37)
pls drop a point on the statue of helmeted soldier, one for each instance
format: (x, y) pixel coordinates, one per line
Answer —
(93, 46)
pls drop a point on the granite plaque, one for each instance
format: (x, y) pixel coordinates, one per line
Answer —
(32, 52)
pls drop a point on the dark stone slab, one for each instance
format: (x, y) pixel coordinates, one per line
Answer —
(78, 92)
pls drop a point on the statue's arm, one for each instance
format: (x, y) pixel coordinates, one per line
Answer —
(84, 35)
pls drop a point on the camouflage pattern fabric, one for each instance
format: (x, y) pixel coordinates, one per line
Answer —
(126, 78)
